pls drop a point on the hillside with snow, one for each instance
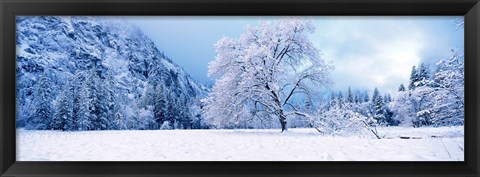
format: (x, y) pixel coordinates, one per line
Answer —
(125, 67)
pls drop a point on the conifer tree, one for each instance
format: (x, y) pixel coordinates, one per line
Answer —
(160, 105)
(43, 99)
(357, 98)
(349, 96)
(423, 72)
(340, 99)
(365, 96)
(171, 107)
(401, 88)
(64, 118)
(378, 107)
(413, 78)
(422, 75)
(82, 104)
(98, 108)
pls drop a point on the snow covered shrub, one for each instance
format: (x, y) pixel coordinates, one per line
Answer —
(166, 126)
(403, 109)
(341, 121)
(144, 118)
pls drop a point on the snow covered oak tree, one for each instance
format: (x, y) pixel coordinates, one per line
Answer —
(261, 73)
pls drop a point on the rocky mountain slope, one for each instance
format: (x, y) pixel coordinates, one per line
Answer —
(69, 49)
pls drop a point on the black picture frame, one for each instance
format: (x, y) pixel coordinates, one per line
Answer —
(11, 8)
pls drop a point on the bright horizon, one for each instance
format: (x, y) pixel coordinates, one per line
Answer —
(353, 44)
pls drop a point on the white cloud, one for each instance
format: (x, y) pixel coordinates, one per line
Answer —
(370, 53)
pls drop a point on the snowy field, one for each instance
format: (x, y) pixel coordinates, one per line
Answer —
(425, 144)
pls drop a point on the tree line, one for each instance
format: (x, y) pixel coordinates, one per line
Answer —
(433, 98)
(92, 100)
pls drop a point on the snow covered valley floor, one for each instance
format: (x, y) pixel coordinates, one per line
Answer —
(425, 144)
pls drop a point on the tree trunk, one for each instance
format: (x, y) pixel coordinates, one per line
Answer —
(282, 117)
(284, 125)
(283, 121)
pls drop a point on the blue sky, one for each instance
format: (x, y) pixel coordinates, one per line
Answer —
(367, 52)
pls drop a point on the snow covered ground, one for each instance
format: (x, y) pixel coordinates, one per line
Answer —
(430, 144)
